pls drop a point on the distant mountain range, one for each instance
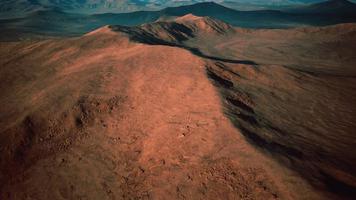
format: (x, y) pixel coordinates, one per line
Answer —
(18, 8)
(332, 7)
(54, 21)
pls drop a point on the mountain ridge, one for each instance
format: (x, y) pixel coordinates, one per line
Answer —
(56, 22)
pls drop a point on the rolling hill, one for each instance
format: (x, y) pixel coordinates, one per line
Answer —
(189, 107)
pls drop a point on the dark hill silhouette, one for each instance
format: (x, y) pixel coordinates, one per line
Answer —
(331, 7)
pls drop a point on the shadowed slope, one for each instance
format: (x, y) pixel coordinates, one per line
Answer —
(180, 30)
(176, 31)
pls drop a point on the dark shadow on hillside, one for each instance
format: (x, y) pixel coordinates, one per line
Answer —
(180, 33)
(269, 137)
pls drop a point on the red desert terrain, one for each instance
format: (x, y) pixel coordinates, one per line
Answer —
(187, 108)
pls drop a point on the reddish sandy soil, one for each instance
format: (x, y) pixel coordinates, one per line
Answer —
(107, 116)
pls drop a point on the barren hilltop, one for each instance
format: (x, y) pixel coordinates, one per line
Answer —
(185, 108)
